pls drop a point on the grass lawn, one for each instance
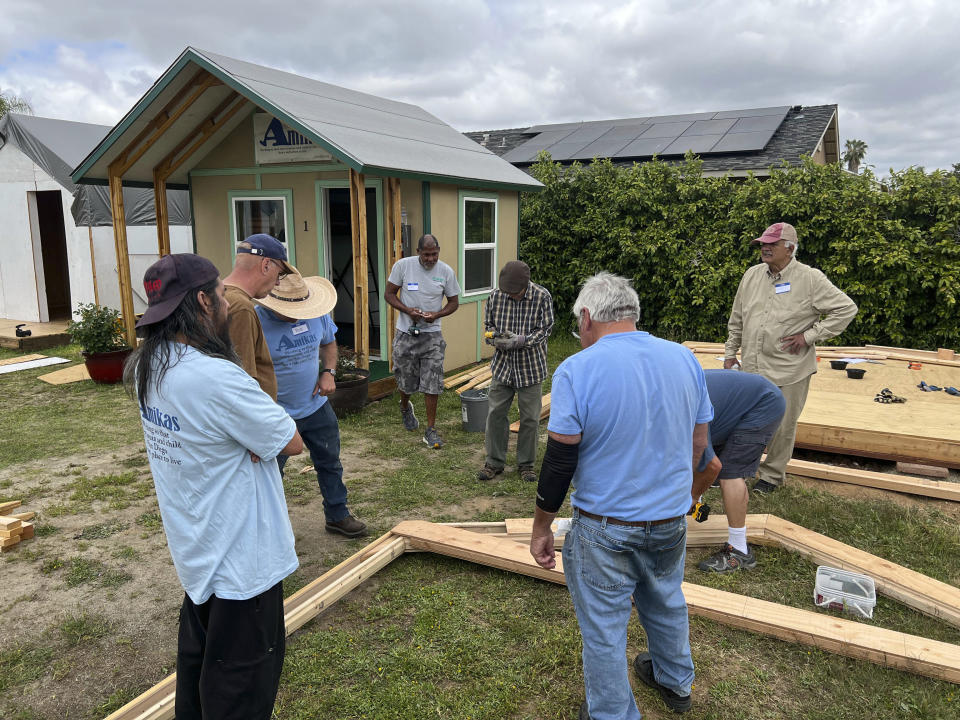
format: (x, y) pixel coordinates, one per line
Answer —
(89, 607)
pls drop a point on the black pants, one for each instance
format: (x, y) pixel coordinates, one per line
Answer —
(229, 657)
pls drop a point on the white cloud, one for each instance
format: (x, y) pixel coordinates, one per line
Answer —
(891, 67)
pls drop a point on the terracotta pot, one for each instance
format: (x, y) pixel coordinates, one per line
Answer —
(106, 368)
(351, 395)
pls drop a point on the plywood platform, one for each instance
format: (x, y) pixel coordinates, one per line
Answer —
(42, 335)
(841, 416)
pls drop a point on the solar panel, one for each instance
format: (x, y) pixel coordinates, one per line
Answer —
(587, 133)
(696, 143)
(738, 142)
(566, 150)
(644, 147)
(667, 130)
(611, 142)
(709, 127)
(528, 151)
(755, 112)
(762, 122)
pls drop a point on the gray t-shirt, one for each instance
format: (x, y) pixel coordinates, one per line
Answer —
(423, 289)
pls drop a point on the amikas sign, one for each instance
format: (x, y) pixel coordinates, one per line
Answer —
(274, 142)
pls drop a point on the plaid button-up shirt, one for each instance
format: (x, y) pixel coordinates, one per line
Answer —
(531, 316)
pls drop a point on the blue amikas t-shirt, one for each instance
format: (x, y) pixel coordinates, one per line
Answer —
(224, 515)
(295, 351)
(635, 399)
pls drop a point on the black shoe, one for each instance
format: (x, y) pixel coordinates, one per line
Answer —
(349, 526)
(762, 487)
(643, 667)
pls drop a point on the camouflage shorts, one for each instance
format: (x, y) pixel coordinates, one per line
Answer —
(418, 362)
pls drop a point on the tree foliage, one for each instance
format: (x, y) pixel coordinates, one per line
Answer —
(684, 241)
(12, 103)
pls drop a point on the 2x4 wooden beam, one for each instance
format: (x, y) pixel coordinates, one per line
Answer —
(361, 296)
(123, 257)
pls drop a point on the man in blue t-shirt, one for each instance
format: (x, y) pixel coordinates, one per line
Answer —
(301, 338)
(212, 435)
(628, 416)
(747, 409)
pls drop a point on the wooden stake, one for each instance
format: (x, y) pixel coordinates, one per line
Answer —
(123, 255)
(361, 299)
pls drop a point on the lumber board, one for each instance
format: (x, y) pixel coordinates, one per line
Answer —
(9, 505)
(914, 589)
(713, 531)
(846, 637)
(933, 471)
(463, 376)
(20, 359)
(24, 515)
(76, 373)
(6, 542)
(889, 648)
(27, 533)
(475, 381)
(9, 523)
(943, 490)
(14, 532)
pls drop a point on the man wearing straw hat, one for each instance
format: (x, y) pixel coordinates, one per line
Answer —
(298, 329)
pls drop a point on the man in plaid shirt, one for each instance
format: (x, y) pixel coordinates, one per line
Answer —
(520, 316)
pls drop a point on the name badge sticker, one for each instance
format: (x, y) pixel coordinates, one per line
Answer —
(413, 286)
(782, 287)
(300, 329)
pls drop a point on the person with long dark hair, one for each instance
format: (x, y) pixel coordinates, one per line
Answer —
(212, 437)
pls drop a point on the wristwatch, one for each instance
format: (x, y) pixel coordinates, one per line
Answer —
(329, 370)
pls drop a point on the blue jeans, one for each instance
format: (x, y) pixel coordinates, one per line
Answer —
(604, 566)
(321, 435)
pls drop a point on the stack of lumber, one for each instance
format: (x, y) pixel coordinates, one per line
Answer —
(941, 356)
(14, 527)
(477, 377)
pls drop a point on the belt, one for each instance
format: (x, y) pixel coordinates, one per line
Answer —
(626, 523)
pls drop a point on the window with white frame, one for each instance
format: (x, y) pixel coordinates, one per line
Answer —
(252, 215)
(479, 244)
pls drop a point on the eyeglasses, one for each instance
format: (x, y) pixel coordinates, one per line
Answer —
(283, 270)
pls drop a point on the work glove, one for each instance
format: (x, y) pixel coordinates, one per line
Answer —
(510, 341)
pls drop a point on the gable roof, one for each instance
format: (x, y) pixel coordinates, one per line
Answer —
(56, 146)
(370, 134)
(798, 131)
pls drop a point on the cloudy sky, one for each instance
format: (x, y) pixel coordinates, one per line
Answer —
(892, 67)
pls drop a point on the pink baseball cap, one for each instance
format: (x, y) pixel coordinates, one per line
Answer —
(777, 231)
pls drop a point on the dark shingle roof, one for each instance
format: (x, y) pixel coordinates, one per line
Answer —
(798, 135)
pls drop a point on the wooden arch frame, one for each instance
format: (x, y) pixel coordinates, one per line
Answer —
(504, 545)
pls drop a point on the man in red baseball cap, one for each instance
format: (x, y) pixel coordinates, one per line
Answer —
(781, 309)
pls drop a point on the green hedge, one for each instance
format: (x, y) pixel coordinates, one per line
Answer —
(684, 240)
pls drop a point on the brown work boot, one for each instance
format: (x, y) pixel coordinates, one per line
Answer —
(349, 526)
(488, 472)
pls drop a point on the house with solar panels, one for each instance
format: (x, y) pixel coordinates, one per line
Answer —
(348, 181)
(731, 142)
(56, 236)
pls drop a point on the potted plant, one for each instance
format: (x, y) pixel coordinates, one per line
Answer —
(100, 333)
(352, 383)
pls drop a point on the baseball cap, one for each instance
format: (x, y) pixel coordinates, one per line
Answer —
(514, 277)
(168, 281)
(777, 231)
(269, 247)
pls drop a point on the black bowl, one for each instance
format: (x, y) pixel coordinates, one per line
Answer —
(855, 373)
(838, 364)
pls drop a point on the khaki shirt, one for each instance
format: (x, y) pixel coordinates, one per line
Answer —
(806, 302)
(248, 340)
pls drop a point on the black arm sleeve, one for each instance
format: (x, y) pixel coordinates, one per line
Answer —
(559, 464)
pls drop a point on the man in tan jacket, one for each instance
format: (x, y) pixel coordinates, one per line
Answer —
(781, 310)
(261, 262)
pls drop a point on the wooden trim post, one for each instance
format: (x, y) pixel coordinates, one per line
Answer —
(162, 216)
(394, 238)
(93, 267)
(123, 256)
(361, 295)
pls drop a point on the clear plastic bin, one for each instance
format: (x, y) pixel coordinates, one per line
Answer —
(844, 590)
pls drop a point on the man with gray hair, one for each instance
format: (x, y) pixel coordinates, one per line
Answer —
(781, 309)
(417, 287)
(628, 417)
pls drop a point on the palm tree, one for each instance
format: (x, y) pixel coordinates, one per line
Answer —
(856, 149)
(11, 103)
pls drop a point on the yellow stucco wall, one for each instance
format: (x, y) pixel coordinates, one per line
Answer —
(212, 215)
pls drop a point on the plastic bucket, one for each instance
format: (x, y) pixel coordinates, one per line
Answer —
(473, 405)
